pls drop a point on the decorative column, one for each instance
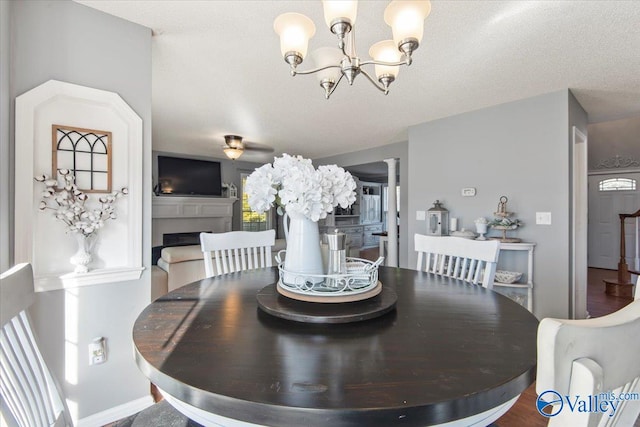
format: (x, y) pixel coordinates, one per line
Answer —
(392, 216)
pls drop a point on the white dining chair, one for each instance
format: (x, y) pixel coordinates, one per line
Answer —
(236, 251)
(587, 358)
(473, 261)
(31, 396)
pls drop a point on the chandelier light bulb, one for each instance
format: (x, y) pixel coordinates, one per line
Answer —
(386, 51)
(340, 10)
(294, 30)
(327, 57)
(340, 16)
(406, 19)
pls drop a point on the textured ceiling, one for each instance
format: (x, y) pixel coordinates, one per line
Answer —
(217, 69)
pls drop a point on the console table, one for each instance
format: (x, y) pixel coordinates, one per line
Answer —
(528, 247)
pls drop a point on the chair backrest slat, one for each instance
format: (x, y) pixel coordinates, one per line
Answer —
(31, 394)
(236, 251)
(470, 260)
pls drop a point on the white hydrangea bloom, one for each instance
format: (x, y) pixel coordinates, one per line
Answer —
(294, 184)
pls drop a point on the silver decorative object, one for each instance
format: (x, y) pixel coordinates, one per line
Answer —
(337, 262)
(437, 220)
(361, 275)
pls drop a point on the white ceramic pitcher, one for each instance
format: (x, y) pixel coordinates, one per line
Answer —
(303, 255)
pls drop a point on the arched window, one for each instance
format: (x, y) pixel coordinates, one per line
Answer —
(87, 153)
(617, 184)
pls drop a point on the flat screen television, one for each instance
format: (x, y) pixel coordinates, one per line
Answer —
(188, 177)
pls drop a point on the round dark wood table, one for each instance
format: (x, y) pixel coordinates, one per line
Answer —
(448, 351)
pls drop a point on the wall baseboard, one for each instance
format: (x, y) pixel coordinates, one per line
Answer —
(116, 413)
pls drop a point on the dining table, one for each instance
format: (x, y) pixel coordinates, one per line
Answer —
(443, 352)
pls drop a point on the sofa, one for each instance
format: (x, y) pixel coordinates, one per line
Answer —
(179, 265)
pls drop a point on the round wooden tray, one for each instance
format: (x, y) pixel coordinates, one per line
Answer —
(270, 300)
(328, 298)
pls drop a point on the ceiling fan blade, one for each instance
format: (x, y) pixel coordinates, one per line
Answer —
(254, 146)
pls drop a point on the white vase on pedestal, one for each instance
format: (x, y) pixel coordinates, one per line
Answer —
(481, 229)
(303, 256)
(83, 256)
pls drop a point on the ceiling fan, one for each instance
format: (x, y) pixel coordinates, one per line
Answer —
(234, 147)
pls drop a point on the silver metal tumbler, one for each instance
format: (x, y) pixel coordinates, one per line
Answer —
(337, 262)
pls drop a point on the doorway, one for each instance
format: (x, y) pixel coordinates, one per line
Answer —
(604, 224)
(374, 175)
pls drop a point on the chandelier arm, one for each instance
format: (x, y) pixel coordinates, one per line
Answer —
(388, 64)
(335, 86)
(375, 83)
(315, 70)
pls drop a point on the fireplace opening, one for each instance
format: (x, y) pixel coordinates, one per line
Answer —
(175, 239)
(182, 239)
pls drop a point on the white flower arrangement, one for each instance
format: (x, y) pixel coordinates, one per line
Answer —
(293, 184)
(506, 222)
(68, 204)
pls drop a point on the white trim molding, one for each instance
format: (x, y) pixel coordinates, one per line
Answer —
(116, 413)
(181, 214)
(618, 162)
(614, 171)
(39, 238)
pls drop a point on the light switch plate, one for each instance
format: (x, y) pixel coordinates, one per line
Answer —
(420, 215)
(468, 192)
(543, 218)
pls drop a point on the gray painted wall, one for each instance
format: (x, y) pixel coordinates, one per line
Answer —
(399, 151)
(520, 150)
(67, 41)
(616, 137)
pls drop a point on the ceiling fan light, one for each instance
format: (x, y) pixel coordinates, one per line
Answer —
(406, 19)
(294, 30)
(233, 153)
(234, 141)
(340, 15)
(234, 146)
(386, 51)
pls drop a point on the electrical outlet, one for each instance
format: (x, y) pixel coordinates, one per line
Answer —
(543, 218)
(420, 215)
(97, 351)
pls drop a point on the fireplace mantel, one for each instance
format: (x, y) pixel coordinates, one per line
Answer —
(192, 207)
(181, 214)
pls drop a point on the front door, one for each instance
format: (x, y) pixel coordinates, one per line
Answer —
(604, 223)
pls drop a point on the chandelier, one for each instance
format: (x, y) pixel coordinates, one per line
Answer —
(406, 19)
